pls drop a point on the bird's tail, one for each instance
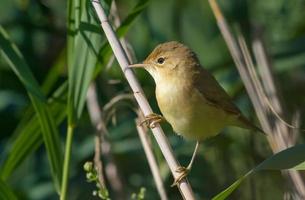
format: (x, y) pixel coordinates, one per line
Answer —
(245, 123)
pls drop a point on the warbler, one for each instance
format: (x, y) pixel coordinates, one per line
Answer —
(189, 97)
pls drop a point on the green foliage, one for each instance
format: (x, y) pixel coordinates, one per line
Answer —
(38, 30)
(6, 192)
(86, 44)
(292, 158)
(29, 136)
(47, 124)
(140, 195)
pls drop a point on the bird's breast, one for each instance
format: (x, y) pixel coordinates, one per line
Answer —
(175, 103)
(188, 112)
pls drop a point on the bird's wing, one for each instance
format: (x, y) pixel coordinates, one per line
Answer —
(216, 96)
(214, 93)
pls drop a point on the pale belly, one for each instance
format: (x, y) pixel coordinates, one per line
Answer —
(190, 115)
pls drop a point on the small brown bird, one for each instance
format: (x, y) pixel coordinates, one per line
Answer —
(189, 97)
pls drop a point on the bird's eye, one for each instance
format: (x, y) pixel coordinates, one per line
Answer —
(160, 60)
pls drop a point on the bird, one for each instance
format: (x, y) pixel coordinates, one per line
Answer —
(189, 97)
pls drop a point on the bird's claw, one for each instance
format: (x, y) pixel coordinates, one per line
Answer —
(183, 172)
(151, 120)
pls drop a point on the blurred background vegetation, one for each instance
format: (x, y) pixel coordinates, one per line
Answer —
(38, 27)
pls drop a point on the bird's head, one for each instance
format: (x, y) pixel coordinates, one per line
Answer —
(167, 60)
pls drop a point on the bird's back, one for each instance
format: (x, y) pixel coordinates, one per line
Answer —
(200, 108)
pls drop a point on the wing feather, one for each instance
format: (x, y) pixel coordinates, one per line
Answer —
(218, 97)
(214, 93)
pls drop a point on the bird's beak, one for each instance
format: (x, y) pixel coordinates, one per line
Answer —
(138, 65)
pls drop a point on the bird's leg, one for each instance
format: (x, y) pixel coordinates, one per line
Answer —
(152, 119)
(183, 171)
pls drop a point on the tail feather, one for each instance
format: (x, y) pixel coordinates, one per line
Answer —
(245, 123)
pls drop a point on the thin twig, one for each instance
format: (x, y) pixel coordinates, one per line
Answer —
(103, 146)
(114, 15)
(142, 131)
(158, 133)
(268, 83)
(240, 64)
(117, 22)
(111, 107)
(281, 138)
(95, 116)
(245, 66)
(277, 139)
(280, 127)
(121, 97)
(296, 120)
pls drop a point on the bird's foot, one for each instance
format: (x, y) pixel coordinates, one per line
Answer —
(183, 172)
(152, 119)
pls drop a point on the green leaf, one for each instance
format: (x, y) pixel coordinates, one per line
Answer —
(28, 135)
(47, 124)
(106, 4)
(70, 30)
(5, 192)
(78, 76)
(292, 158)
(106, 52)
(17, 63)
(224, 194)
(140, 6)
(86, 45)
(54, 73)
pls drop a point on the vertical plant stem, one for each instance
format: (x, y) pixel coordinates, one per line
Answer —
(254, 86)
(142, 131)
(65, 176)
(97, 160)
(103, 147)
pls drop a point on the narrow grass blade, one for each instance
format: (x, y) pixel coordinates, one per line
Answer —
(80, 73)
(224, 194)
(28, 135)
(71, 30)
(85, 47)
(6, 192)
(138, 9)
(106, 52)
(87, 50)
(47, 124)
